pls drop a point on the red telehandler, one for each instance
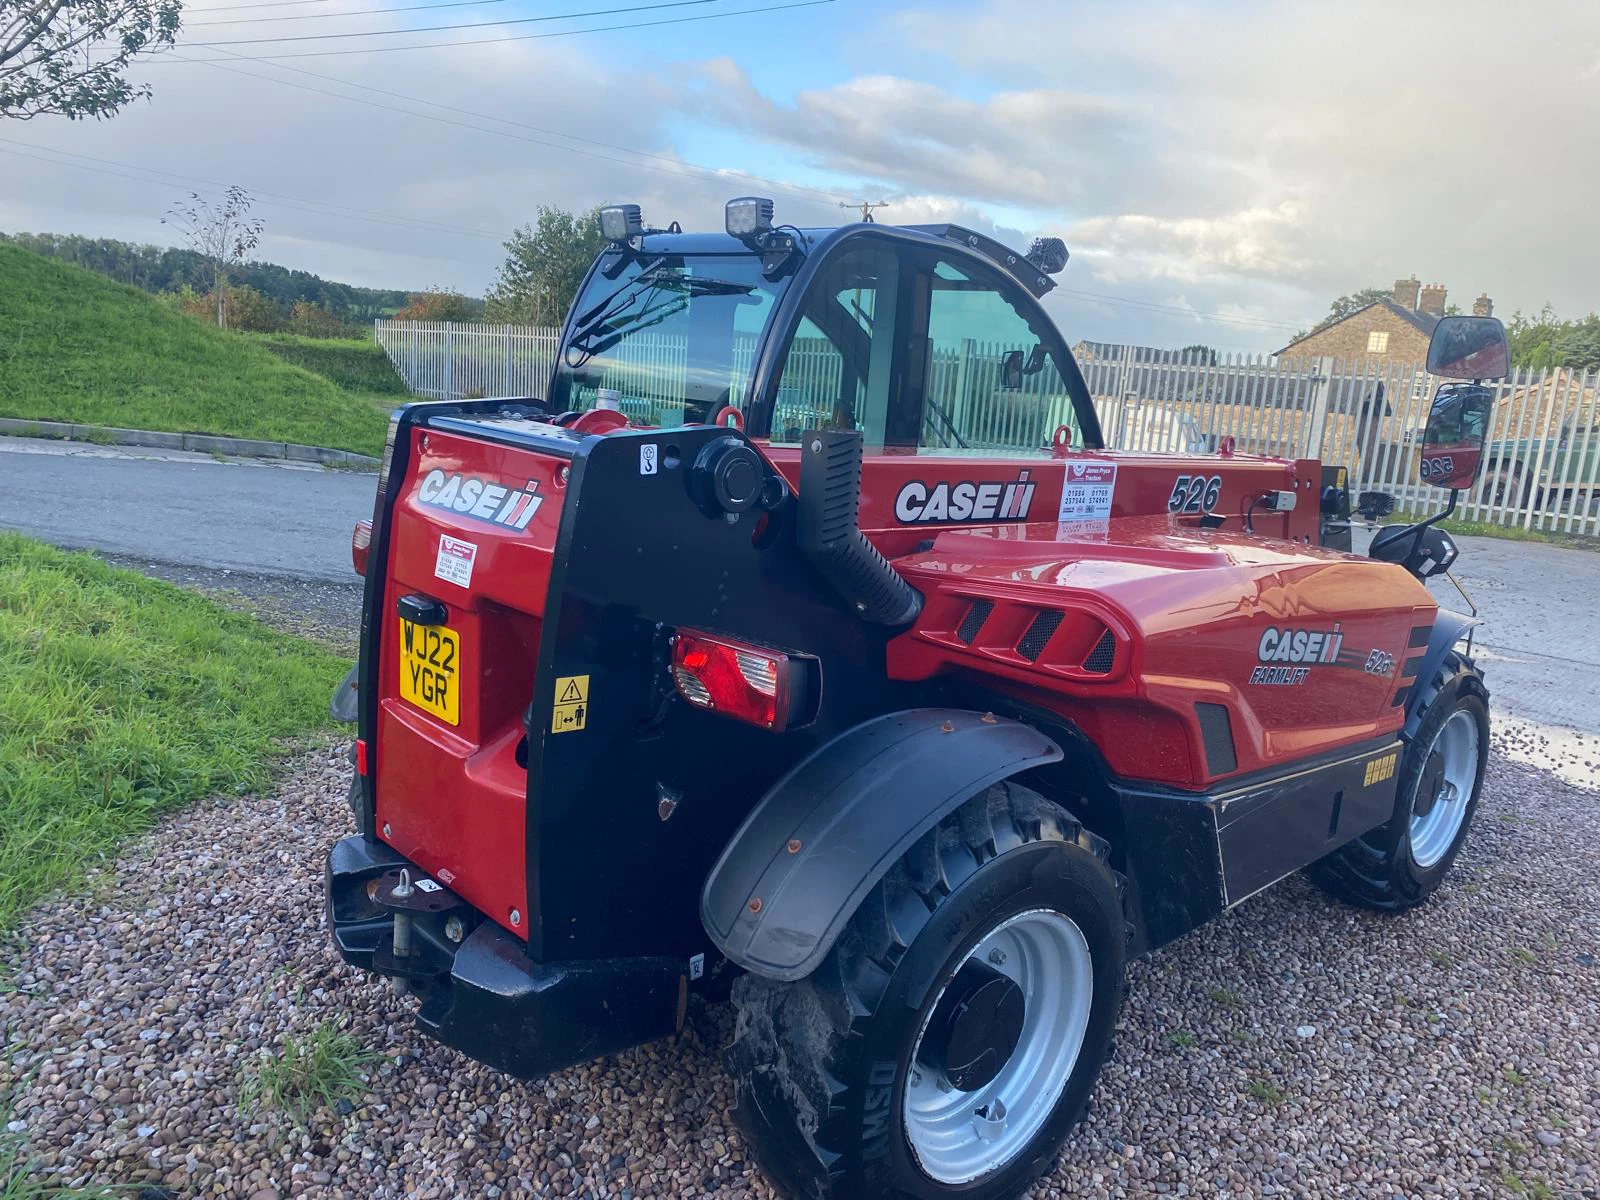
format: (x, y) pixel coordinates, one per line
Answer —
(805, 637)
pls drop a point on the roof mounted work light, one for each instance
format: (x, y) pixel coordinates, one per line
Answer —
(621, 223)
(749, 217)
(1049, 254)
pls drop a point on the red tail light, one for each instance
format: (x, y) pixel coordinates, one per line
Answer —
(360, 544)
(748, 683)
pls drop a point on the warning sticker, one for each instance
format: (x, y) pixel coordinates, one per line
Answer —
(647, 458)
(455, 560)
(571, 709)
(1086, 492)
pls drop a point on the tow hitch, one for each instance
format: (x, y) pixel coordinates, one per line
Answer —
(407, 958)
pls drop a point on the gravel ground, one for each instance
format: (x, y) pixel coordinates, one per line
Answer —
(1292, 1048)
(326, 612)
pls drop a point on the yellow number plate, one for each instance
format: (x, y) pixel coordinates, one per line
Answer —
(430, 659)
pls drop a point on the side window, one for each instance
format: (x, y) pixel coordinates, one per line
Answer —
(992, 384)
(836, 365)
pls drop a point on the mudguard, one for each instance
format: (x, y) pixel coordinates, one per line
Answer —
(1448, 629)
(829, 830)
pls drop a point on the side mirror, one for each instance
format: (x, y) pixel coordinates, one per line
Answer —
(1011, 371)
(1452, 443)
(1469, 348)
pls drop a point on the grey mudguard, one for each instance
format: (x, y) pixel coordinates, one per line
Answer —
(818, 841)
(1448, 629)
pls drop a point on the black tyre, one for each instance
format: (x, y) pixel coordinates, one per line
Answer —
(976, 989)
(1400, 864)
(1504, 485)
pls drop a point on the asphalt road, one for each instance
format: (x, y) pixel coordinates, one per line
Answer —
(185, 509)
(282, 534)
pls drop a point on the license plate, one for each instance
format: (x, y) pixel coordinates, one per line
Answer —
(430, 657)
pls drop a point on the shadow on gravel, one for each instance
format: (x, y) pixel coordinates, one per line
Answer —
(1295, 1046)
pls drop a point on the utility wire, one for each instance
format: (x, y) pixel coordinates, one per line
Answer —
(678, 165)
(523, 37)
(689, 169)
(273, 4)
(323, 37)
(300, 203)
(1179, 310)
(354, 12)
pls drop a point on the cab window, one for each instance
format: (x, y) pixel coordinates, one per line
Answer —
(836, 366)
(991, 380)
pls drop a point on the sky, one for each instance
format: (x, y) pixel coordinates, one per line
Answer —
(1219, 171)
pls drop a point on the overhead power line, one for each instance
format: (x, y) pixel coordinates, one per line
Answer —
(140, 174)
(540, 20)
(669, 164)
(522, 37)
(1179, 310)
(354, 12)
(270, 4)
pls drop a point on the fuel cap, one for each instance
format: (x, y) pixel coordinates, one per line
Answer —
(728, 476)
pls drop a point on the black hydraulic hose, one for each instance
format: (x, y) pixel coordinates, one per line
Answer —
(828, 534)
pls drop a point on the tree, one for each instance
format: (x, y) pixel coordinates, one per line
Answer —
(222, 234)
(1199, 353)
(67, 57)
(437, 304)
(545, 264)
(1354, 302)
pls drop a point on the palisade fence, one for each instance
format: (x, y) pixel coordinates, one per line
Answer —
(1543, 449)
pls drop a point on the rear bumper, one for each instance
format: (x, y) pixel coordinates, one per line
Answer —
(485, 996)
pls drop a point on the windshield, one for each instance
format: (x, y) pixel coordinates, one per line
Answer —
(674, 335)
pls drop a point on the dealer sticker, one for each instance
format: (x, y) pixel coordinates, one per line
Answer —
(1086, 492)
(455, 560)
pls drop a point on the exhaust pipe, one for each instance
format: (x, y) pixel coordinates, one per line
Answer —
(828, 533)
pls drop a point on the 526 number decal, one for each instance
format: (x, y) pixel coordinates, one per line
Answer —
(1195, 493)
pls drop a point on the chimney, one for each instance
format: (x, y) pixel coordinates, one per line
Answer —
(1483, 306)
(1432, 301)
(1405, 293)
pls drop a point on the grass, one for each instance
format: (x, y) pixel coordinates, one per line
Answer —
(75, 346)
(1183, 1039)
(122, 698)
(1265, 1092)
(315, 1070)
(1224, 997)
(352, 364)
(1510, 533)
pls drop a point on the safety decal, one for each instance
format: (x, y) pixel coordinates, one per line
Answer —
(455, 560)
(1380, 769)
(922, 503)
(510, 508)
(1087, 490)
(647, 458)
(570, 711)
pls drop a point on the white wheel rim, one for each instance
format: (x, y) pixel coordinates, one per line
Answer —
(1046, 955)
(1435, 831)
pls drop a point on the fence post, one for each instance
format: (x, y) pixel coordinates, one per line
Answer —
(1321, 388)
(450, 360)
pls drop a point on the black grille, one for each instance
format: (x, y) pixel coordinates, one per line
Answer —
(973, 621)
(1216, 731)
(1033, 642)
(1102, 656)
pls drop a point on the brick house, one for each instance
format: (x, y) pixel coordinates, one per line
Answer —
(1395, 329)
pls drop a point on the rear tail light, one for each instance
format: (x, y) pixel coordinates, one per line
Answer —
(749, 683)
(361, 545)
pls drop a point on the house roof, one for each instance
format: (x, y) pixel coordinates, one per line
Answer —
(1420, 321)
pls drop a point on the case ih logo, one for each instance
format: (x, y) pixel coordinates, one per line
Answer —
(991, 500)
(1299, 645)
(474, 497)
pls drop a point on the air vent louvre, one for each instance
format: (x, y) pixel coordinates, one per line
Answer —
(1102, 656)
(1033, 642)
(1217, 731)
(973, 621)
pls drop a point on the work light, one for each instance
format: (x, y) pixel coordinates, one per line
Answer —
(748, 217)
(621, 223)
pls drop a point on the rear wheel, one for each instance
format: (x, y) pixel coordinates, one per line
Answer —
(1402, 863)
(1503, 485)
(951, 1038)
